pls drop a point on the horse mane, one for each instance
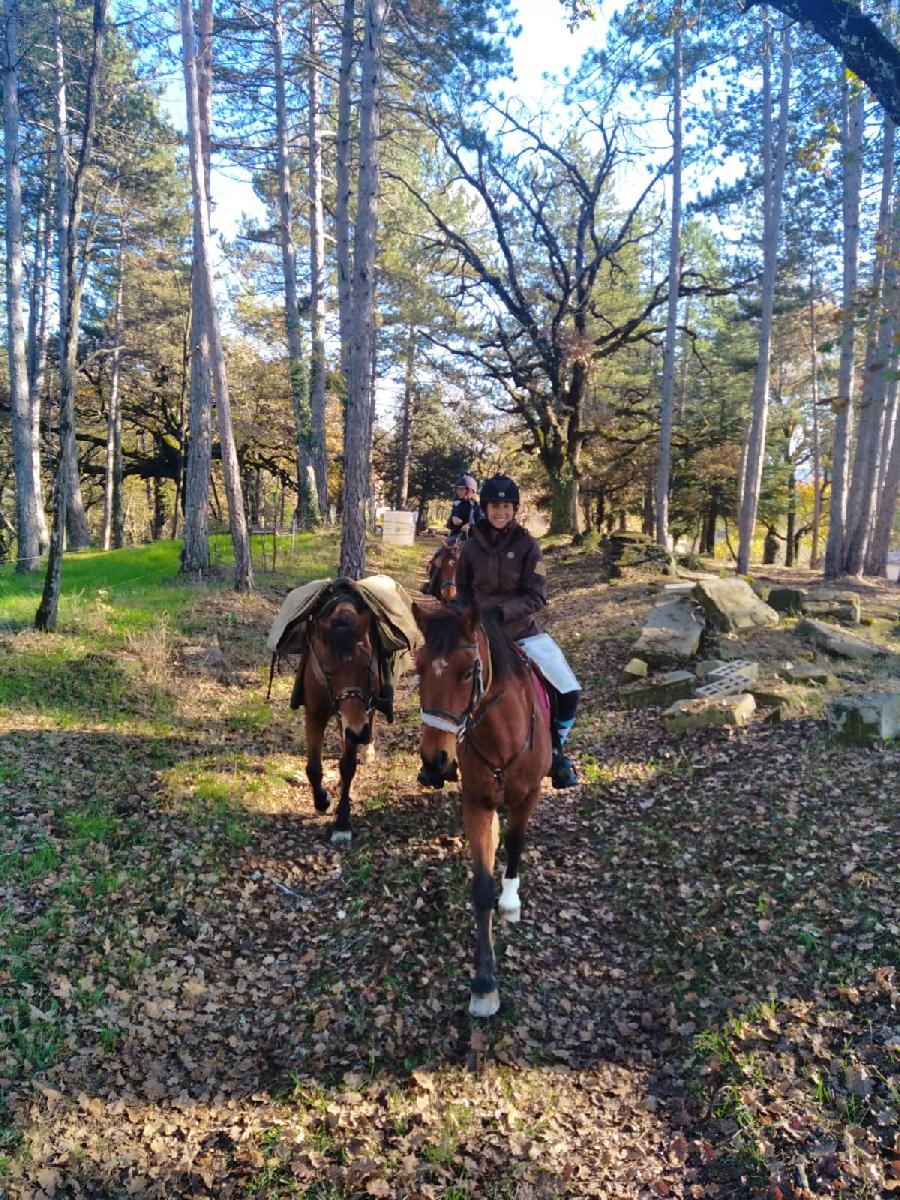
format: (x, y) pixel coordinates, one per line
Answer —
(443, 636)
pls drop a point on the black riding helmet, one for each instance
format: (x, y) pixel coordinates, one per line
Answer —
(499, 488)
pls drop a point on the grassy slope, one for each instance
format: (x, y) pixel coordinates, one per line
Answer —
(198, 993)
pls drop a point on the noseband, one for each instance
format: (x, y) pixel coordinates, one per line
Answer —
(440, 718)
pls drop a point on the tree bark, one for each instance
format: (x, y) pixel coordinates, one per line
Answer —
(70, 289)
(71, 286)
(317, 272)
(852, 137)
(816, 440)
(879, 543)
(307, 490)
(402, 496)
(243, 570)
(342, 186)
(28, 530)
(773, 171)
(39, 338)
(882, 311)
(195, 549)
(667, 405)
(112, 508)
(358, 423)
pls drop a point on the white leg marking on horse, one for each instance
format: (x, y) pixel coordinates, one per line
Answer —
(368, 754)
(341, 837)
(509, 906)
(484, 1006)
(495, 831)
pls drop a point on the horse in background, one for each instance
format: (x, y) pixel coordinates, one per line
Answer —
(441, 582)
(338, 677)
(477, 690)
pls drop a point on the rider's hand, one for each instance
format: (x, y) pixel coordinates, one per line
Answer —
(465, 529)
(456, 520)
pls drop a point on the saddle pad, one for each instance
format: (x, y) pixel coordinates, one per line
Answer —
(540, 691)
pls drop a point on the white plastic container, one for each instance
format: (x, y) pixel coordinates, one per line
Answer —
(399, 528)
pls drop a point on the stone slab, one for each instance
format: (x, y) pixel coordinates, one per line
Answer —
(658, 690)
(865, 720)
(731, 605)
(806, 673)
(671, 634)
(703, 713)
(836, 641)
(634, 669)
(702, 669)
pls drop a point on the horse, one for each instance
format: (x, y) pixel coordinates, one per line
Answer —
(477, 689)
(441, 581)
(338, 677)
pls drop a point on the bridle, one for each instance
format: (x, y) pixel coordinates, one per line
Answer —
(464, 725)
(348, 693)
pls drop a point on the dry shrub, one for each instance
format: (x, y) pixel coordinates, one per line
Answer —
(154, 647)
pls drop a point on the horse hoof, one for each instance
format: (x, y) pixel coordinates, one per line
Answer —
(341, 837)
(512, 915)
(368, 754)
(322, 803)
(484, 1006)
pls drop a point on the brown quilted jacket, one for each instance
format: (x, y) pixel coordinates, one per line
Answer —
(504, 569)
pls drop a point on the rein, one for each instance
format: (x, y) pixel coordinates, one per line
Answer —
(469, 720)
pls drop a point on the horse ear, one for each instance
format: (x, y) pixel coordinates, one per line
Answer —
(469, 620)
(421, 615)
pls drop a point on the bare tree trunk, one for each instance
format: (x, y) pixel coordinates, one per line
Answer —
(358, 423)
(880, 541)
(852, 138)
(317, 271)
(862, 497)
(816, 440)
(307, 491)
(70, 289)
(773, 172)
(243, 571)
(668, 381)
(38, 339)
(342, 186)
(402, 497)
(71, 286)
(195, 549)
(112, 508)
(28, 530)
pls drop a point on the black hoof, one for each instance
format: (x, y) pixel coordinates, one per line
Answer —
(322, 803)
(431, 779)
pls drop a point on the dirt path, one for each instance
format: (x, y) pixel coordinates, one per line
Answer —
(701, 999)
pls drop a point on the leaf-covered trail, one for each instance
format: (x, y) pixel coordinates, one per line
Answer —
(210, 1000)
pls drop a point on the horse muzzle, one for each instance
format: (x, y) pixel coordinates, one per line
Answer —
(437, 771)
(361, 736)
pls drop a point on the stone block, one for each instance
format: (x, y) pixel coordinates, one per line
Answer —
(787, 600)
(671, 634)
(731, 605)
(634, 669)
(658, 690)
(731, 677)
(702, 713)
(846, 611)
(783, 700)
(836, 641)
(865, 720)
(806, 673)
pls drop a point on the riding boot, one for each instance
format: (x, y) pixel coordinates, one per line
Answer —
(562, 769)
(385, 702)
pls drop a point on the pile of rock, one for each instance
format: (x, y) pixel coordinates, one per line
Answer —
(823, 603)
(638, 551)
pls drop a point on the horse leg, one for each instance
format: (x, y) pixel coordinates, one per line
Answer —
(315, 735)
(509, 906)
(368, 751)
(341, 835)
(479, 825)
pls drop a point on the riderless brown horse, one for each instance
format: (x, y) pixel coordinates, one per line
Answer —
(338, 678)
(478, 690)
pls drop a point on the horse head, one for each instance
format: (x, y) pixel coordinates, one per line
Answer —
(447, 573)
(344, 664)
(451, 678)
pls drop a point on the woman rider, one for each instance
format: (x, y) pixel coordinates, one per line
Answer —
(502, 569)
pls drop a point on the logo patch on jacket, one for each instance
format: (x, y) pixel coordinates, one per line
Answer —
(510, 554)
(539, 568)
